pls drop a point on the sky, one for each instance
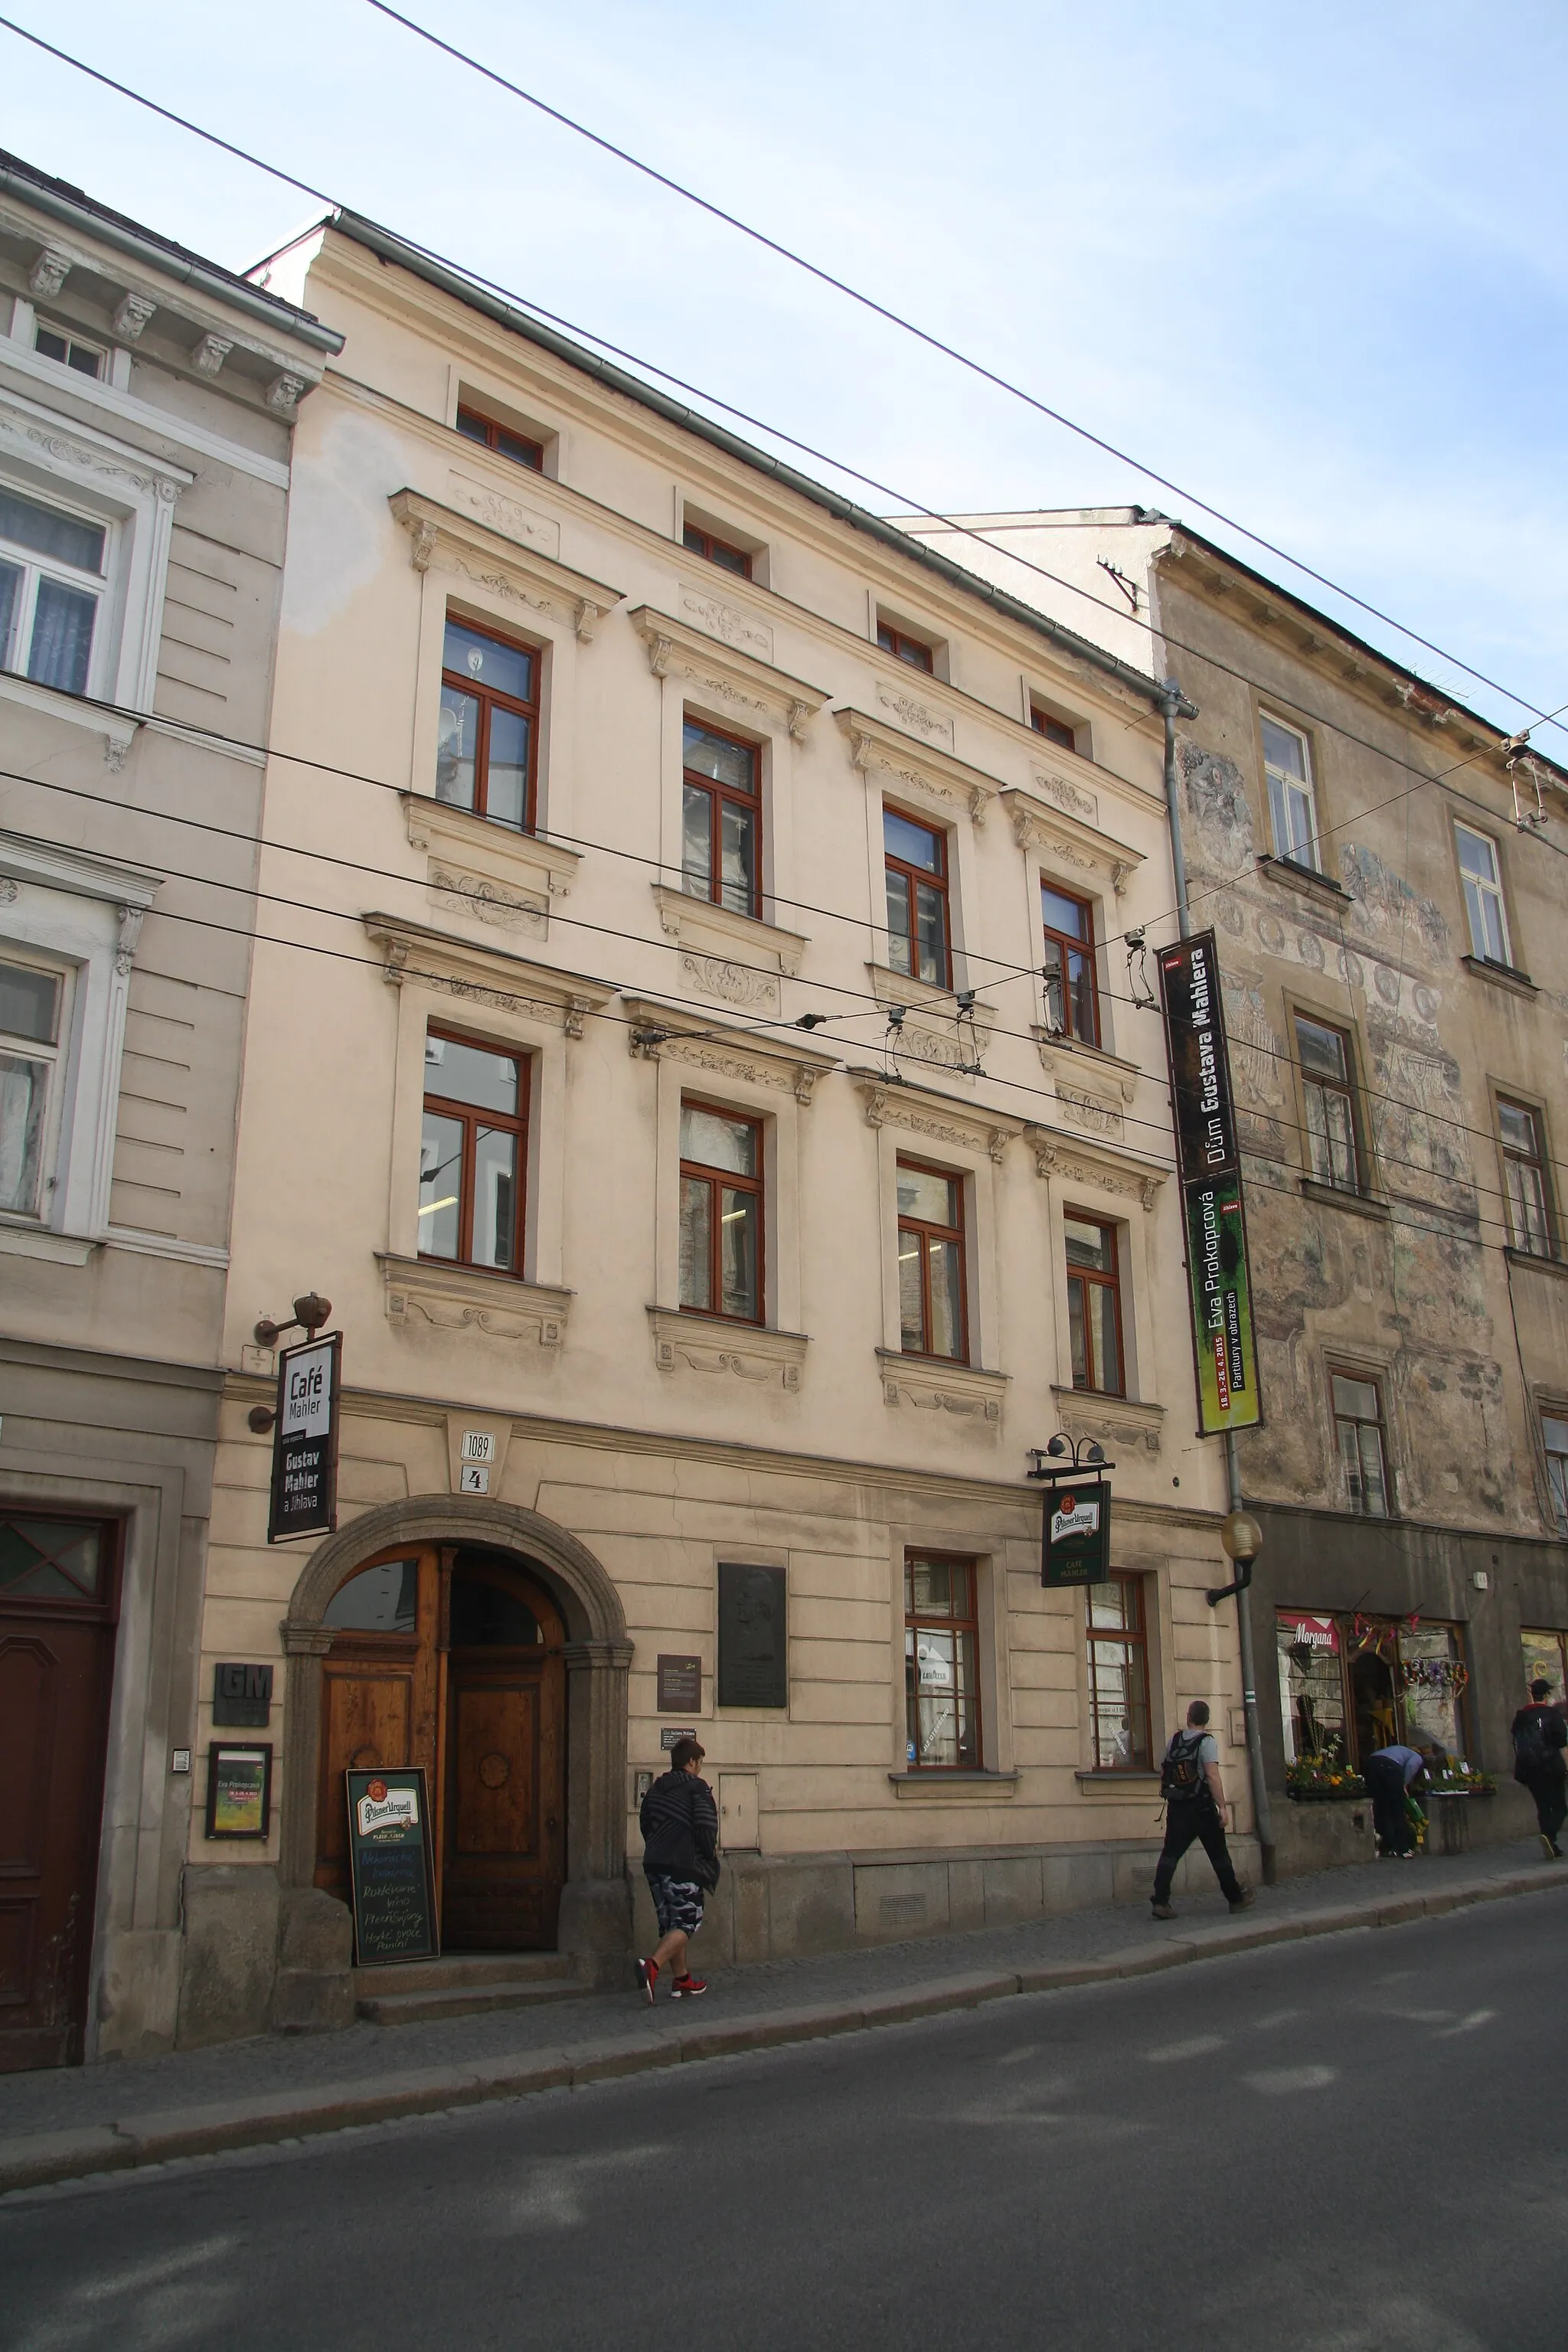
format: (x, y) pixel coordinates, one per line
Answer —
(1309, 265)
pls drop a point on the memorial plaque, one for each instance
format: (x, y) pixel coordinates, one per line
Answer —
(242, 1694)
(390, 1866)
(754, 1647)
(240, 1790)
(680, 1683)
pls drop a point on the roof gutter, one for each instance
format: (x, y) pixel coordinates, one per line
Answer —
(280, 317)
(507, 314)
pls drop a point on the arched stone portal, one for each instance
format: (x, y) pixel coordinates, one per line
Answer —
(595, 1910)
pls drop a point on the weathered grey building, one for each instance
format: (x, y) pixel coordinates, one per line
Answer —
(147, 403)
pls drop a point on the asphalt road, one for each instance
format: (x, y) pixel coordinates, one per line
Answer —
(1350, 2146)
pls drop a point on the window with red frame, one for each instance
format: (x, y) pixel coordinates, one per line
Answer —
(941, 1664)
(1072, 995)
(473, 1153)
(905, 649)
(721, 1212)
(1055, 730)
(713, 550)
(720, 819)
(1094, 1305)
(488, 729)
(932, 1307)
(918, 936)
(1119, 1674)
(502, 438)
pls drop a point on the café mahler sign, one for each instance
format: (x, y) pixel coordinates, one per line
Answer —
(1224, 1348)
(305, 1441)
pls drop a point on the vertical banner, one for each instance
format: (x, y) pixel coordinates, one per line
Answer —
(1224, 1352)
(305, 1441)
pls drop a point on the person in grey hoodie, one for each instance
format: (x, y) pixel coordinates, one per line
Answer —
(679, 1826)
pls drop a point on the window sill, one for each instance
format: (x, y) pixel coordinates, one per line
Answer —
(1304, 879)
(1501, 975)
(1359, 1204)
(504, 878)
(1535, 1263)
(934, 1384)
(1099, 1777)
(39, 1241)
(684, 1341)
(1093, 1059)
(1117, 1421)
(54, 702)
(955, 1788)
(738, 959)
(426, 1293)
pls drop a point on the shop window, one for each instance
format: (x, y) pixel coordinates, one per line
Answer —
(488, 725)
(52, 578)
(932, 1318)
(720, 1213)
(31, 999)
(918, 935)
(1433, 1679)
(1119, 1675)
(1544, 1659)
(1555, 1439)
(1482, 884)
(714, 549)
(720, 819)
(1350, 1685)
(1312, 1688)
(1094, 1305)
(1357, 1431)
(57, 343)
(472, 1153)
(905, 647)
(1072, 997)
(1292, 812)
(1055, 730)
(1328, 1089)
(475, 426)
(1525, 1174)
(941, 1664)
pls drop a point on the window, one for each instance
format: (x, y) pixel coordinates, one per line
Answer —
(1545, 1661)
(932, 1320)
(1072, 1003)
(488, 726)
(721, 551)
(1331, 1152)
(502, 439)
(30, 1028)
(720, 1213)
(720, 819)
(1358, 1425)
(1312, 1687)
(905, 649)
(1554, 1438)
(1094, 1305)
(1433, 1678)
(941, 1666)
(1525, 1174)
(1288, 769)
(1055, 730)
(1119, 1675)
(55, 1560)
(52, 570)
(1484, 908)
(471, 1153)
(918, 942)
(54, 343)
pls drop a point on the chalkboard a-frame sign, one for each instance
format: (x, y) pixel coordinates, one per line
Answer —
(390, 1867)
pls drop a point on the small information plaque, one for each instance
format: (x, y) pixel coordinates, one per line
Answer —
(680, 1685)
(390, 1866)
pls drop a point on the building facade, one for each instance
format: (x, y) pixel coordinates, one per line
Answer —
(699, 1070)
(147, 402)
(1382, 869)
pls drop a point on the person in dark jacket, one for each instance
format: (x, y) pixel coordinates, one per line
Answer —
(679, 1858)
(1539, 1736)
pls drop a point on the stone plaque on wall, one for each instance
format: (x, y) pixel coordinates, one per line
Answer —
(680, 1683)
(753, 1653)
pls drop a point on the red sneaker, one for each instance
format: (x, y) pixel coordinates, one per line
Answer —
(648, 1977)
(685, 1987)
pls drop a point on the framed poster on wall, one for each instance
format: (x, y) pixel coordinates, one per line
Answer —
(239, 1789)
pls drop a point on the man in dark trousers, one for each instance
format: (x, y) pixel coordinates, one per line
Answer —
(1391, 1774)
(681, 1860)
(1539, 1736)
(1194, 1808)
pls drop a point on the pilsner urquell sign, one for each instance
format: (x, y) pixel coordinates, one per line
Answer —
(1225, 1351)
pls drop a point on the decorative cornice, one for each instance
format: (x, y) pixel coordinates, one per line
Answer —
(420, 1293)
(484, 975)
(919, 768)
(1057, 834)
(936, 1036)
(54, 866)
(489, 543)
(918, 1110)
(656, 1032)
(750, 687)
(1067, 1056)
(1125, 1175)
(752, 951)
(961, 1390)
(745, 1351)
(743, 632)
(502, 878)
(1110, 1421)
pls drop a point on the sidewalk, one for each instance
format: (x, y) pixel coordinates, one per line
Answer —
(67, 2122)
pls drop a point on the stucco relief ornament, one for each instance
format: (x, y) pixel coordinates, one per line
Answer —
(284, 391)
(10, 890)
(130, 920)
(422, 545)
(50, 272)
(1310, 947)
(132, 315)
(210, 354)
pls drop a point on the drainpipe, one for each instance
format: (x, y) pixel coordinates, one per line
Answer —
(1175, 705)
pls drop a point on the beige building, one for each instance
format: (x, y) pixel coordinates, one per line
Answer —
(694, 1051)
(147, 402)
(1384, 871)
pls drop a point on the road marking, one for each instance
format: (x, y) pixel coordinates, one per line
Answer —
(1467, 2024)
(1274, 2081)
(1200, 2046)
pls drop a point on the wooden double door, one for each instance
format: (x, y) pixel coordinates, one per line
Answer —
(452, 1658)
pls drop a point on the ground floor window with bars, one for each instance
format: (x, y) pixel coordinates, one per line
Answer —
(1119, 1674)
(941, 1664)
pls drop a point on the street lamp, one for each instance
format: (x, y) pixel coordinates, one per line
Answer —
(1243, 1540)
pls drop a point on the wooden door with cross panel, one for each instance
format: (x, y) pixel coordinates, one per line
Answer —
(504, 1781)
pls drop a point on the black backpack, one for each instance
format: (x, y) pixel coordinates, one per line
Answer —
(1183, 1779)
(1531, 1753)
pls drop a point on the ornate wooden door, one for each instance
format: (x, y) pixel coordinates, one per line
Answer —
(505, 1767)
(378, 1690)
(57, 1597)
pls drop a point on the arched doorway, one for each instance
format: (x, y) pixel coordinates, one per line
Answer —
(452, 1656)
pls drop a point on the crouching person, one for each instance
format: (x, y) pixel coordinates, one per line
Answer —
(680, 1861)
(1194, 1808)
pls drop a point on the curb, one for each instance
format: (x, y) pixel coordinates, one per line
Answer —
(45, 2158)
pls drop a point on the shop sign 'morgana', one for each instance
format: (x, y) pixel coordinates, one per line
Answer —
(305, 1441)
(1224, 1352)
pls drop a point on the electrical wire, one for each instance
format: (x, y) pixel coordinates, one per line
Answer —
(935, 343)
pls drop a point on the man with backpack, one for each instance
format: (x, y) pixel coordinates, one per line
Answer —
(680, 1861)
(1539, 1736)
(1194, 1808)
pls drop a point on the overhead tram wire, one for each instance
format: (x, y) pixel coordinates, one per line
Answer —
(935, 343)
(871, 1007)
(588, 336)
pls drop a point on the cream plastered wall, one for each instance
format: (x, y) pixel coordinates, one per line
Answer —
(691, 1437)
